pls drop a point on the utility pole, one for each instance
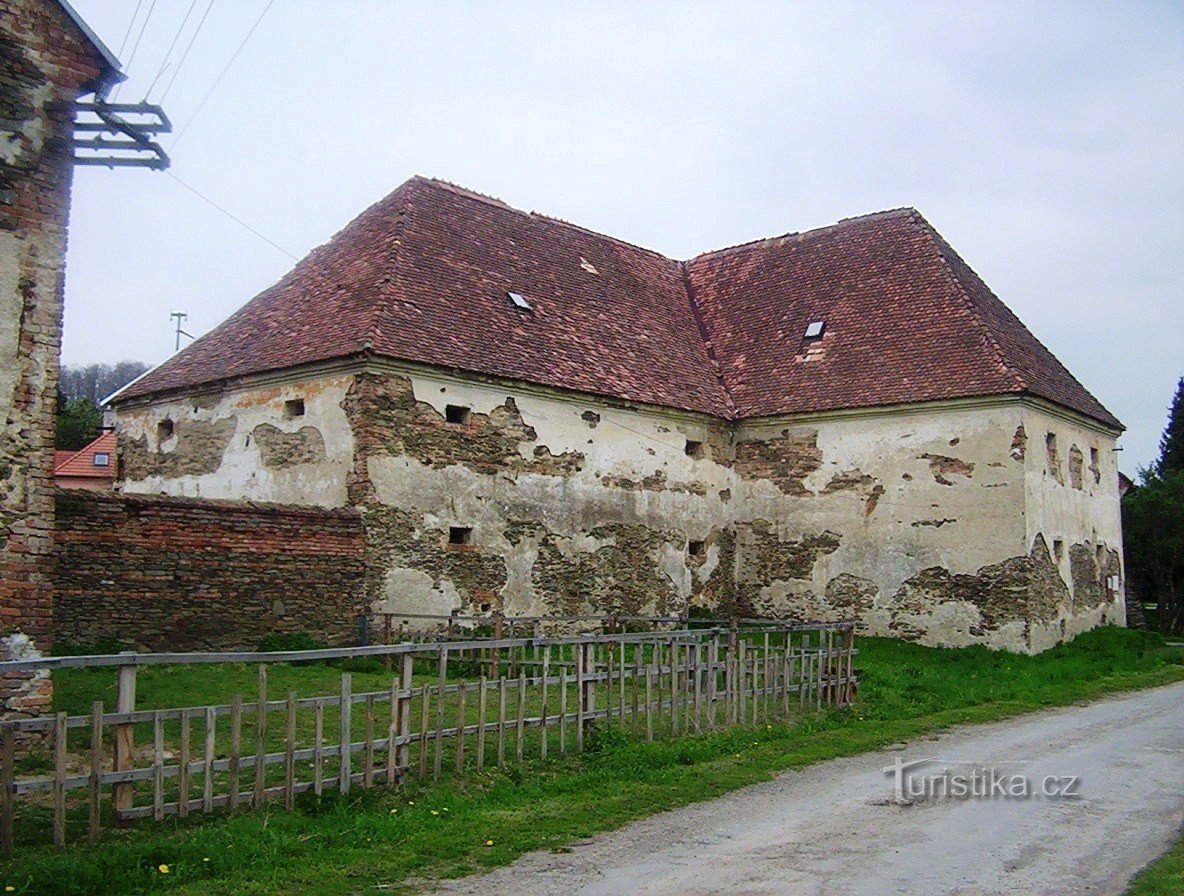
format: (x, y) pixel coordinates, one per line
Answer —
(179, 317)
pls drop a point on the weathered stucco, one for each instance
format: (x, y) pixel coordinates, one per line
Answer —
(935, 523)
(243, 443)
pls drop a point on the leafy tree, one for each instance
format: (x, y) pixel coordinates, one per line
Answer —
(1171, 443)
(1153, 534)
(1153, 525)
(97, 381)
(79, 422)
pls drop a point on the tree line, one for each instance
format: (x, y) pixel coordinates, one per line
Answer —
(1153, 526)
(80, 389)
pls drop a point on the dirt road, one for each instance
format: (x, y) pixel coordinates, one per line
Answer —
(837, 828)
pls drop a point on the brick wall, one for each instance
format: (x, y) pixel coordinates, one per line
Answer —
(44, 61)
(189, 574)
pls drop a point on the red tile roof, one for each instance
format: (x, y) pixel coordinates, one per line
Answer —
(81, 464)
(906, 320)
(423, 275)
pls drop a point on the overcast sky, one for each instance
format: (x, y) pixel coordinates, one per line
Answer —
(1045, 142)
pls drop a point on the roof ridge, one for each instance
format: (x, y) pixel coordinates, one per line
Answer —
(760, 242)
(939, 245)
(463, 191)
(396, 241)
(485, 198)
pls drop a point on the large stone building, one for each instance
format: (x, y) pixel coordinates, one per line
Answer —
(48, 59)
(833, 424)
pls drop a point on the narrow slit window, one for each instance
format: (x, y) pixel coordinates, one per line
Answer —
(456, 413)
(460, 535)
(294, 408)
(519, 301)
(1058, 549)
(694, 449)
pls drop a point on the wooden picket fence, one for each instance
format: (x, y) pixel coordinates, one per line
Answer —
(451, 705)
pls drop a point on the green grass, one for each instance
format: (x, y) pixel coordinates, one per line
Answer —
(380, 837)
(1164, 877)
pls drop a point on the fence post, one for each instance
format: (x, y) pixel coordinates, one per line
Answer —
(499, 623)
(8, 774)
(96, 771)
(848, 648)
(581, 693)
(346, 731)
(386, 640)
(260, 798)
(403, 757)
(123, 793)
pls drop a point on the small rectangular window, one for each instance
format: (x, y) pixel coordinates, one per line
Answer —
(697, 548)
(455, 413)
(293, 408)
(1058, 550)
(101, 459)
(460, 535)
(694, 449)
(164, 430)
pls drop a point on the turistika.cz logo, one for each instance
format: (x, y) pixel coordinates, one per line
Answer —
(959, 779)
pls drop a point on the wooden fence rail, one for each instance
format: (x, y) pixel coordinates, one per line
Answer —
(492, 700)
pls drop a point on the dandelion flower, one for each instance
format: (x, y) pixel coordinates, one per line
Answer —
(434, 812)
(393, 811)
(489, 843)
(411, 802)
(10, 889)
(163, 869)
(445, 809)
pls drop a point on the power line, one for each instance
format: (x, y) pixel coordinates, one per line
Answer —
(130, 25)
(231, 216)
(221, 74)
(169, 52)
(139, 37)
(185, 55)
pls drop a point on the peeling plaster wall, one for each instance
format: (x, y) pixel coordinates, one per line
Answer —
(242, 444)
(934, 523)
(1075, 502)
(884, 518)
(575, 505)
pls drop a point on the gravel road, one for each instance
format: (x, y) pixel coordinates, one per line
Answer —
(836, 829)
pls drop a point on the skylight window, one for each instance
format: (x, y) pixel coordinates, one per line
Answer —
(519, 301)
(815, 328)
(101, 459)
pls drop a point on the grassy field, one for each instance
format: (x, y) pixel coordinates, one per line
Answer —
(1162, 878)
(454, 828)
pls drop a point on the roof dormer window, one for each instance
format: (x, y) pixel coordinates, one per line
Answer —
(519, 301)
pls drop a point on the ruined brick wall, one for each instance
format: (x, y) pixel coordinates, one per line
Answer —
(43, 64)
(162, 573)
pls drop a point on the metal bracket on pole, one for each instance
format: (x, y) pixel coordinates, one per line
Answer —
(121, 137)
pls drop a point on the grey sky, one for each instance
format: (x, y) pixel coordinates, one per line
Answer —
(1045, 142)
